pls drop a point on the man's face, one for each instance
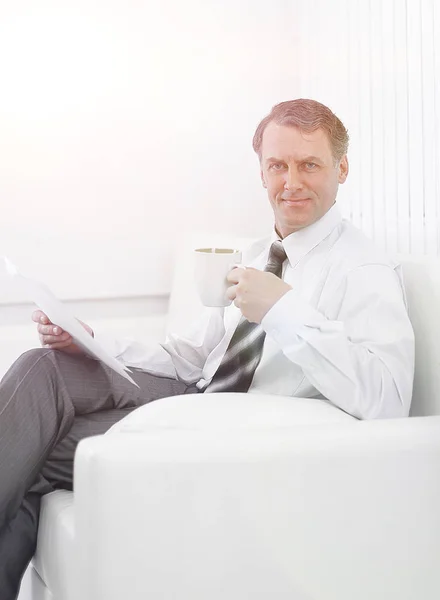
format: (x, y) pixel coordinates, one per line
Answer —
(300, 175)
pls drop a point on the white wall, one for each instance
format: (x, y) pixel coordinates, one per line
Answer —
(125, 122)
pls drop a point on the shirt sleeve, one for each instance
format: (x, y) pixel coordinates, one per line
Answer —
(181, 357)
(363, 362)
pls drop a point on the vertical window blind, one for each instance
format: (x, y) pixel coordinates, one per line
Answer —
(376, 63)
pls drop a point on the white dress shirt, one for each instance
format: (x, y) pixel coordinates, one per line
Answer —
(341, 334)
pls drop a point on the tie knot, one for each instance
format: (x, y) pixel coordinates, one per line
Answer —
(277, 255)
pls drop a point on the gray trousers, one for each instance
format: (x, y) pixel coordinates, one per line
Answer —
(49, 401)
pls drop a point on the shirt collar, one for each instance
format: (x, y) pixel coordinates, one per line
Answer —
(301, 242)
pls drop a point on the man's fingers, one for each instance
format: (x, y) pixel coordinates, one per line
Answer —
(231, 292)
(49, 342)
(50, 330)
(58, 345)
(235, 275)
(54, 339)
(38, 316)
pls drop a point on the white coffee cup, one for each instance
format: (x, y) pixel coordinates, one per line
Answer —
(212, 266)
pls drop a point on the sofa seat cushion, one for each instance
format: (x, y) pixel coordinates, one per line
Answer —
(53, 560)
(232, 410)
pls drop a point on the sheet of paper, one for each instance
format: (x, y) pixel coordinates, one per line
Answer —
(61, 315)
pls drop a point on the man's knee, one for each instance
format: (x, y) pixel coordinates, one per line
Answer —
(53, 361)
(33, 361)
(29, 358)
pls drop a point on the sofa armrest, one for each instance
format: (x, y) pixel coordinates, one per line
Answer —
(319, 512)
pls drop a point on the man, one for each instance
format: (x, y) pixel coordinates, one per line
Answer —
(318, 312)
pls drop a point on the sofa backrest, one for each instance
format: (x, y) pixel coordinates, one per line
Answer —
(422, 285)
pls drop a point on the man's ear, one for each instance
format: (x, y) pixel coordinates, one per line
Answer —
(343, 169)
(262, 178)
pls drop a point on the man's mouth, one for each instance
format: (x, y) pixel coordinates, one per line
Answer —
(298, 202)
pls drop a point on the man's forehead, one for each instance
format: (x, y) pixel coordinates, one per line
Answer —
(291, 141)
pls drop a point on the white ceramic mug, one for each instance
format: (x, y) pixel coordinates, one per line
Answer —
(212, 266)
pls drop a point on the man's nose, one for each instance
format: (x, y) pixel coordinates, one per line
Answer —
(292, 180)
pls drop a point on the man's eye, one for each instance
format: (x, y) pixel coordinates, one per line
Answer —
(276, 166)
(310, 166)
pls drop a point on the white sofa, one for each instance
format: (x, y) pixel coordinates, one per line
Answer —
(241, 496)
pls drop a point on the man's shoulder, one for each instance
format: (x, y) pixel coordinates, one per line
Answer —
(355, 249)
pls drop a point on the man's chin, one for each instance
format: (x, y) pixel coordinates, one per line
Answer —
(286, 229)
(300, 221)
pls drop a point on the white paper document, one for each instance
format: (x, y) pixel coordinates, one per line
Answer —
(59, 314)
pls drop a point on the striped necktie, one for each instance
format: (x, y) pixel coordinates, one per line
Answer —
(243, 354)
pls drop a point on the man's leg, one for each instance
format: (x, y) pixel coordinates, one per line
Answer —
(18, 540)
(44, 397)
